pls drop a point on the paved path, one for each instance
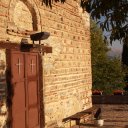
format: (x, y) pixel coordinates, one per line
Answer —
(115, 116)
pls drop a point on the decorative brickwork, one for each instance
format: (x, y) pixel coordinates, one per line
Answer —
(67, 70)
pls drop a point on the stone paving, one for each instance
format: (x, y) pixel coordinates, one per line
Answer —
(115, 116)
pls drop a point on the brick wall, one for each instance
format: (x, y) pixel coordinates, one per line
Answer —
(3, 18)
(67, 71)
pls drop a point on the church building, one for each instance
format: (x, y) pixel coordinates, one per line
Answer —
(45, 62)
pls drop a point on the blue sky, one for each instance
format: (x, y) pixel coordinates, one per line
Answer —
(116, 48)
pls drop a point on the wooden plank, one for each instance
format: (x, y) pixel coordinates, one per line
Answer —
(79, 115)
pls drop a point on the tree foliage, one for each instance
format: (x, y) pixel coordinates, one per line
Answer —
(107, 73)
(114, 13)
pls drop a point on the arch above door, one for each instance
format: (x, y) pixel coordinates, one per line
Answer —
(24, 17)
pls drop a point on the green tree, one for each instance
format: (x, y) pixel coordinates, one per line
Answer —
(107, 73)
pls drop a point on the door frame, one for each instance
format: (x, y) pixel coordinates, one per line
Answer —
(8, 46)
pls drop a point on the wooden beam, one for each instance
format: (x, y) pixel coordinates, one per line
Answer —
(14, 45)
(47, 49)
(9, 45)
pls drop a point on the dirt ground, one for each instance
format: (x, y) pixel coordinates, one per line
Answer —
(115, 116)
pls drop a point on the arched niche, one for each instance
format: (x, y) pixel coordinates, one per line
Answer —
(24, 17)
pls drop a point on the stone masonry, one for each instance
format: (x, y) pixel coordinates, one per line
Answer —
(67, 70)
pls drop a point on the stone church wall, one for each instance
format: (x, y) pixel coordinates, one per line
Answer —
(67, 70)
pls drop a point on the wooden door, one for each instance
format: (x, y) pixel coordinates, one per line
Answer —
(25, 84)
